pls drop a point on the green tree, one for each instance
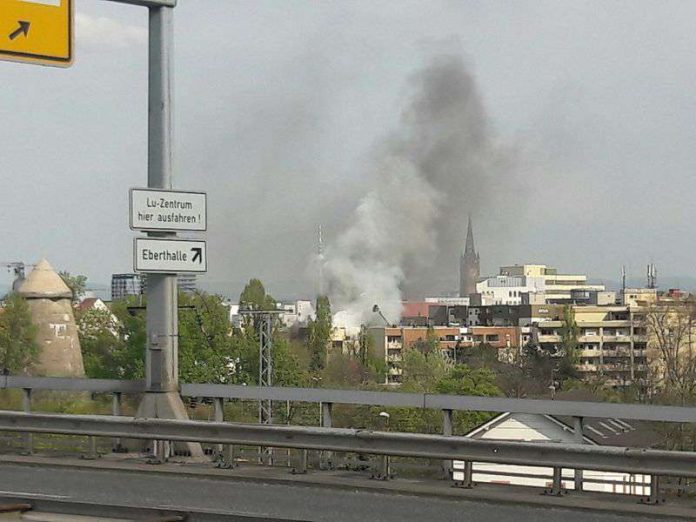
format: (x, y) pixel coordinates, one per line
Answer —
(319, 334)
(18, 346)
(77, 284)
(463, 380)
(101, 340)
(206, 351)
(429, 345)
(365, 345)
(113, 342)
(254, 297)
(421, 372)
(569, 332)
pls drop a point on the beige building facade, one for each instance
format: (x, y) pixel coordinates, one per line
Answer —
(612, 342)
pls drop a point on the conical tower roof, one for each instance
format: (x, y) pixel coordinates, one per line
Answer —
(469, 248)
(43, 282)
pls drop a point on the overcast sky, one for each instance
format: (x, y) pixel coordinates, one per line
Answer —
(279, 106)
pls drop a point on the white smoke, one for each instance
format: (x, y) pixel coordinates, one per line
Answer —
(407, 230)
(365, 265)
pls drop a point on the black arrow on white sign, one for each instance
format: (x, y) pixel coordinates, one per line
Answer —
(22, 29)
(197, 255)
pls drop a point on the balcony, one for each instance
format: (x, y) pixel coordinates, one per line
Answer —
(616, 367)
(590, 368)
(394, 345)
(616, 338)
(620, 353)
(554, 339)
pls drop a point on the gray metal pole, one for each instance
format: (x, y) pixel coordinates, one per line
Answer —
(579, 439)
(162, 328)
(447, 430)
(162, 398)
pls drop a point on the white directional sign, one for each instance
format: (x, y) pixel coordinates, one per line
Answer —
(171, 210)
(170, 256)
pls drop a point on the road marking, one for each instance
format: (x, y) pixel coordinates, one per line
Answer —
(220, 512)
(32, 495)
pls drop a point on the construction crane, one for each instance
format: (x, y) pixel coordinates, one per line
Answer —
(18, 267)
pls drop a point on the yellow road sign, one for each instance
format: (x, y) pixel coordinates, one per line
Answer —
(37, 31)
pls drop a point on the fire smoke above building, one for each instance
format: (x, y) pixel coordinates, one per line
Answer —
(429, 174)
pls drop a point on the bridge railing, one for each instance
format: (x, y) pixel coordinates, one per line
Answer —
(447, 404)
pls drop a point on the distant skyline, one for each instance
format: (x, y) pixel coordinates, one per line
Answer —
(280, 107)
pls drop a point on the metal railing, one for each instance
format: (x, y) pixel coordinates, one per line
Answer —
(606, 458)
(447, 404)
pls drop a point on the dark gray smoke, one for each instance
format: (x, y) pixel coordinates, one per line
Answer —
(439, 166)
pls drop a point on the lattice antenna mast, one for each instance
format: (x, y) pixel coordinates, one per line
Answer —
(652, 275)
(264, 323)
(320, 260)
(266, 365)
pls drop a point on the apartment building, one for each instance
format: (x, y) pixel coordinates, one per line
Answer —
(612, 342)
(391, 343)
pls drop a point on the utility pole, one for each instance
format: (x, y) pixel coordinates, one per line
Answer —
(161, 399)
(263, 321)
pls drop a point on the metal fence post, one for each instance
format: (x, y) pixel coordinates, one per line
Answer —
(383, 469)
(326, 458)
(468, 481)
(26, 406)
(91, 448)
(654, 497)
(301, 467)
(116, 401)
(557, 484)
(577, 429)
(447, 431)
(218, 416)
(227, 461)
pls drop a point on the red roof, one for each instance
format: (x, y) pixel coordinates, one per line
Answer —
(415, 309)
(87, 303)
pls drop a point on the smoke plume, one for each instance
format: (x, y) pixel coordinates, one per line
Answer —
(406, 233)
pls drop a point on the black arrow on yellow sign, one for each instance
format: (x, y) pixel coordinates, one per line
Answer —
(22, 29)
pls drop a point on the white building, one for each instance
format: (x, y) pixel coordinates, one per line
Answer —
(449, 301)
(553, 430)
(297, 313)
(509, 290)
(533, 284)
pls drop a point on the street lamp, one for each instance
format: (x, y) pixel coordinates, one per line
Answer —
(384, 472)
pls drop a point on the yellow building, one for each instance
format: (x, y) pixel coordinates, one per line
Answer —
(612, 342)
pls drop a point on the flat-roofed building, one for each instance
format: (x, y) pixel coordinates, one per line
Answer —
(391, 343)
(612, 342)
(556, 287)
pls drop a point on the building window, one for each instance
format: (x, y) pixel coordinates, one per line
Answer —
(494, 338)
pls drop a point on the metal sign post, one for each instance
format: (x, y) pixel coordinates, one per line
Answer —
(41, 32)
(162, 399)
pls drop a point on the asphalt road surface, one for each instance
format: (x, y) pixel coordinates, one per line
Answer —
(270, 501)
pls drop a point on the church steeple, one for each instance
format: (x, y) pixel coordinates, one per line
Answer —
(469, 265)
(469, 247)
